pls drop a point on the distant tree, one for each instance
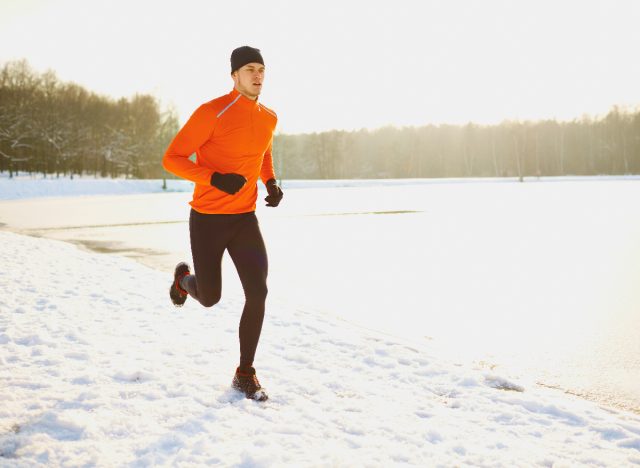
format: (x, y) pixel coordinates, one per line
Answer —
(61, 128)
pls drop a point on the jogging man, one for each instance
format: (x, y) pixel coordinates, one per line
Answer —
(232, 137)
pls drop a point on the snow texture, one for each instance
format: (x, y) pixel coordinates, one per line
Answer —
(98, 368)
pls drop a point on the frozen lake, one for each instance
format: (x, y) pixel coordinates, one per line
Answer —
(539, 277)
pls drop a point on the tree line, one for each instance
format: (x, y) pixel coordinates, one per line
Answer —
(609, 145)
(52, 127)
(56, 128)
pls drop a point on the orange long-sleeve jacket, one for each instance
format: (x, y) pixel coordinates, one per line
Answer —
(231, 133)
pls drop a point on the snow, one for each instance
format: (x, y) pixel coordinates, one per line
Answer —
(23, 186)
(98, 368)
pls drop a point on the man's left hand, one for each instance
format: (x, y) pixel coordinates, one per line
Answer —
(275, 193)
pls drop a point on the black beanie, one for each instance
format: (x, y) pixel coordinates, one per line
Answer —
(243, 55)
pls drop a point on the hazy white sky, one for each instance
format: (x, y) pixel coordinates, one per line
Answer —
(346, 64)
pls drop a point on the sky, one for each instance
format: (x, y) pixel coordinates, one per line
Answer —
(345, 64)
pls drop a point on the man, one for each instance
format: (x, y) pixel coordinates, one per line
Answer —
(232, 138)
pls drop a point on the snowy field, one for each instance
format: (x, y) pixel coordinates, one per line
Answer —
(24, 186)
(97, 368)
(538, 277)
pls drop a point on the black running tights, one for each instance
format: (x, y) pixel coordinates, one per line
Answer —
(211, 235)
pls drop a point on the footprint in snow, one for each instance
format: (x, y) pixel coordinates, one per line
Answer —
(501, 383)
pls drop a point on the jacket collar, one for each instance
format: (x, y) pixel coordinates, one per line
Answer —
(242, 99)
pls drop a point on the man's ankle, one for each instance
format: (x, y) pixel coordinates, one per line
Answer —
(245, 369)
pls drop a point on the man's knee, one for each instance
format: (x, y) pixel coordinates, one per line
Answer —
(257, 293)
(210, 301)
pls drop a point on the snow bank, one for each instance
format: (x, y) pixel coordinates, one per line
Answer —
(97, 367)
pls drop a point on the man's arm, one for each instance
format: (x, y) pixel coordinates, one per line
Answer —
(192, 136)
(267, 172)
(268, 176)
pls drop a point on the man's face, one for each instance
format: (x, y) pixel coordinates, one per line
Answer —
(248, 79)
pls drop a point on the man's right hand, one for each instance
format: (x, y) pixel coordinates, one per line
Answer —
(229, 183)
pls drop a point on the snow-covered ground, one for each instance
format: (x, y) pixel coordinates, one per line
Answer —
(97, 368)
(34, 186)
(24, 186)
(538, 276)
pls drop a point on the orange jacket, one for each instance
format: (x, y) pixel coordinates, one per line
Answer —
(229, 134)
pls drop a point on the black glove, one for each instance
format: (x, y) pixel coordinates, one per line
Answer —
(275, 193)
(229, 183)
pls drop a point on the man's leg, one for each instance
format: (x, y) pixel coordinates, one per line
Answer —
(249, 255)
(209, 236)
